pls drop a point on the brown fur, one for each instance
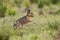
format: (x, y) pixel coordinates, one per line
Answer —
(21, 21)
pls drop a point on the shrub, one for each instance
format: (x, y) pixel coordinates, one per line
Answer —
(53, 26)
(26, 4)
(2, 37)
(2, 11)
(18, 2)
(33, 1)
(11, 12)
(40, 4)
(46, 2)
(54, 1)
(57, 12)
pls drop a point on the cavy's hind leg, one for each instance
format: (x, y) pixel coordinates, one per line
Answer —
(20, 26)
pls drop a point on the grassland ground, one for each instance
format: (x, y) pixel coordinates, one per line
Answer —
(42, 27)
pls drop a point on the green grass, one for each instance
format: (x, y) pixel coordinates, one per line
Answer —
(43, 27)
